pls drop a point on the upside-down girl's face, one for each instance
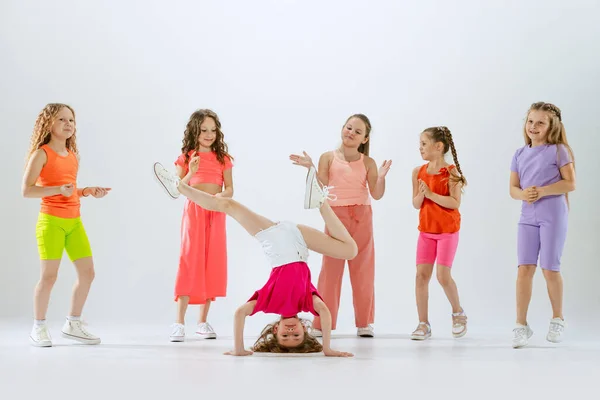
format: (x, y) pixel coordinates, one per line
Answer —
(289, 332)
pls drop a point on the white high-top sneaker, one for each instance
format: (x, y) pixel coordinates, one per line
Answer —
(74, 330)
(522, 333)
(557, 328)
(168, 180)
(205, 331)
(40, 336)
(315, 195)
(178, 333)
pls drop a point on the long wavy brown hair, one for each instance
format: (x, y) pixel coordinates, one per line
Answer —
(442, 134)
(43, 125)
(267, 343)
(557, 133)
(192, 132)
(364, 147)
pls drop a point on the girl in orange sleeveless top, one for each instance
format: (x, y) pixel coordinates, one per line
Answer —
(355, 178)
(51, 174)
(204, 164)
(437, 190)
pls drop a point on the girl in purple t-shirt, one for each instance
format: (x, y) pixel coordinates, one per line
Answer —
(542, 173)
(289, 289)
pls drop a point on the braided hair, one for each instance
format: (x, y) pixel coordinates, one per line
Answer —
(442, 134)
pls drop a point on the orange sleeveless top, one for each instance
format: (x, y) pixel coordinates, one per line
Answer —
(434, 218)
(349, 181)
(210, 170)
(60, 170)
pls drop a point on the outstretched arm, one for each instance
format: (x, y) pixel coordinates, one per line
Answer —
(325, 315)
(238, 329)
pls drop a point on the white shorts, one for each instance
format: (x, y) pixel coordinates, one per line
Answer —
(283, 244)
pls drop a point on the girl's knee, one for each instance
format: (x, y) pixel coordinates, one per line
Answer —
(527, 271)
(551, 275)
(423, 277)
(443, 275)
(48, 279)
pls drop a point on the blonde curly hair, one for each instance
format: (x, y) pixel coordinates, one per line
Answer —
(267, 342)
(43, 126)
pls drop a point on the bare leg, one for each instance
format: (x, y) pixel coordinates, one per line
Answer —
(204, 311)
(337, 244)
(41, 296)
(424, 272)
(85, 276)
(444, 277)
(554, 283)
(182, 305)
(252, 222)
(524, 289)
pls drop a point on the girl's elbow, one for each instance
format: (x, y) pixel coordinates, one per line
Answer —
(572, 186)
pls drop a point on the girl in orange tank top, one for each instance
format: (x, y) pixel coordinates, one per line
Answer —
(354, 178)
(204, 164)
(51, 174)
(437, 190)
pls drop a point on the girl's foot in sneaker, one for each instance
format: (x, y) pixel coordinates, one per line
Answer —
(40, 336)
(178, 333)
(367, 331)
(522, 333)
(556, 330)
(315, 195)
(74, 330)
(205, 331)
(168, 180)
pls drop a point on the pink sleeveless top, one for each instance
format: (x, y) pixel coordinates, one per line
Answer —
(348, 181)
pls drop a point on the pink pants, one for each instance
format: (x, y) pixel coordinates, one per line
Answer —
(437, 245)
(202, 270)
(359, 222)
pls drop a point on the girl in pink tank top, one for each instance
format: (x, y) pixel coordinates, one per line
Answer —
(354, 178)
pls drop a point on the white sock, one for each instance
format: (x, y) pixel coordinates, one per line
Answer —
(39, 322)
(71, 318)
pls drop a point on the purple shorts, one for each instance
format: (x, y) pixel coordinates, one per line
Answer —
(542, 232)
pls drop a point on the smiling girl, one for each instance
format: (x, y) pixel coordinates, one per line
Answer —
(51, 174)
(437, 188)
(205, 165)
(542, 173)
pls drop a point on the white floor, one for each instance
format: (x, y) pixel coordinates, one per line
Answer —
(142, 364)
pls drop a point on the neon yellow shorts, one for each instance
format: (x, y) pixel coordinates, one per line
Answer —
(55, 234)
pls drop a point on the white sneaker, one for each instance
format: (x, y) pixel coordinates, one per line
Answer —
(557, 327)
(178, 333)
(522, 334)
(205, 331)
(40, 336)
(365, 332)
(74, 330)
(315, 195)
(168, 180)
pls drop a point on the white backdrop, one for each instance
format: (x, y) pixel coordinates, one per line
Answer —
(283, 76)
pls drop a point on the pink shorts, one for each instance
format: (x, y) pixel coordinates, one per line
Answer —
(437, 245)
